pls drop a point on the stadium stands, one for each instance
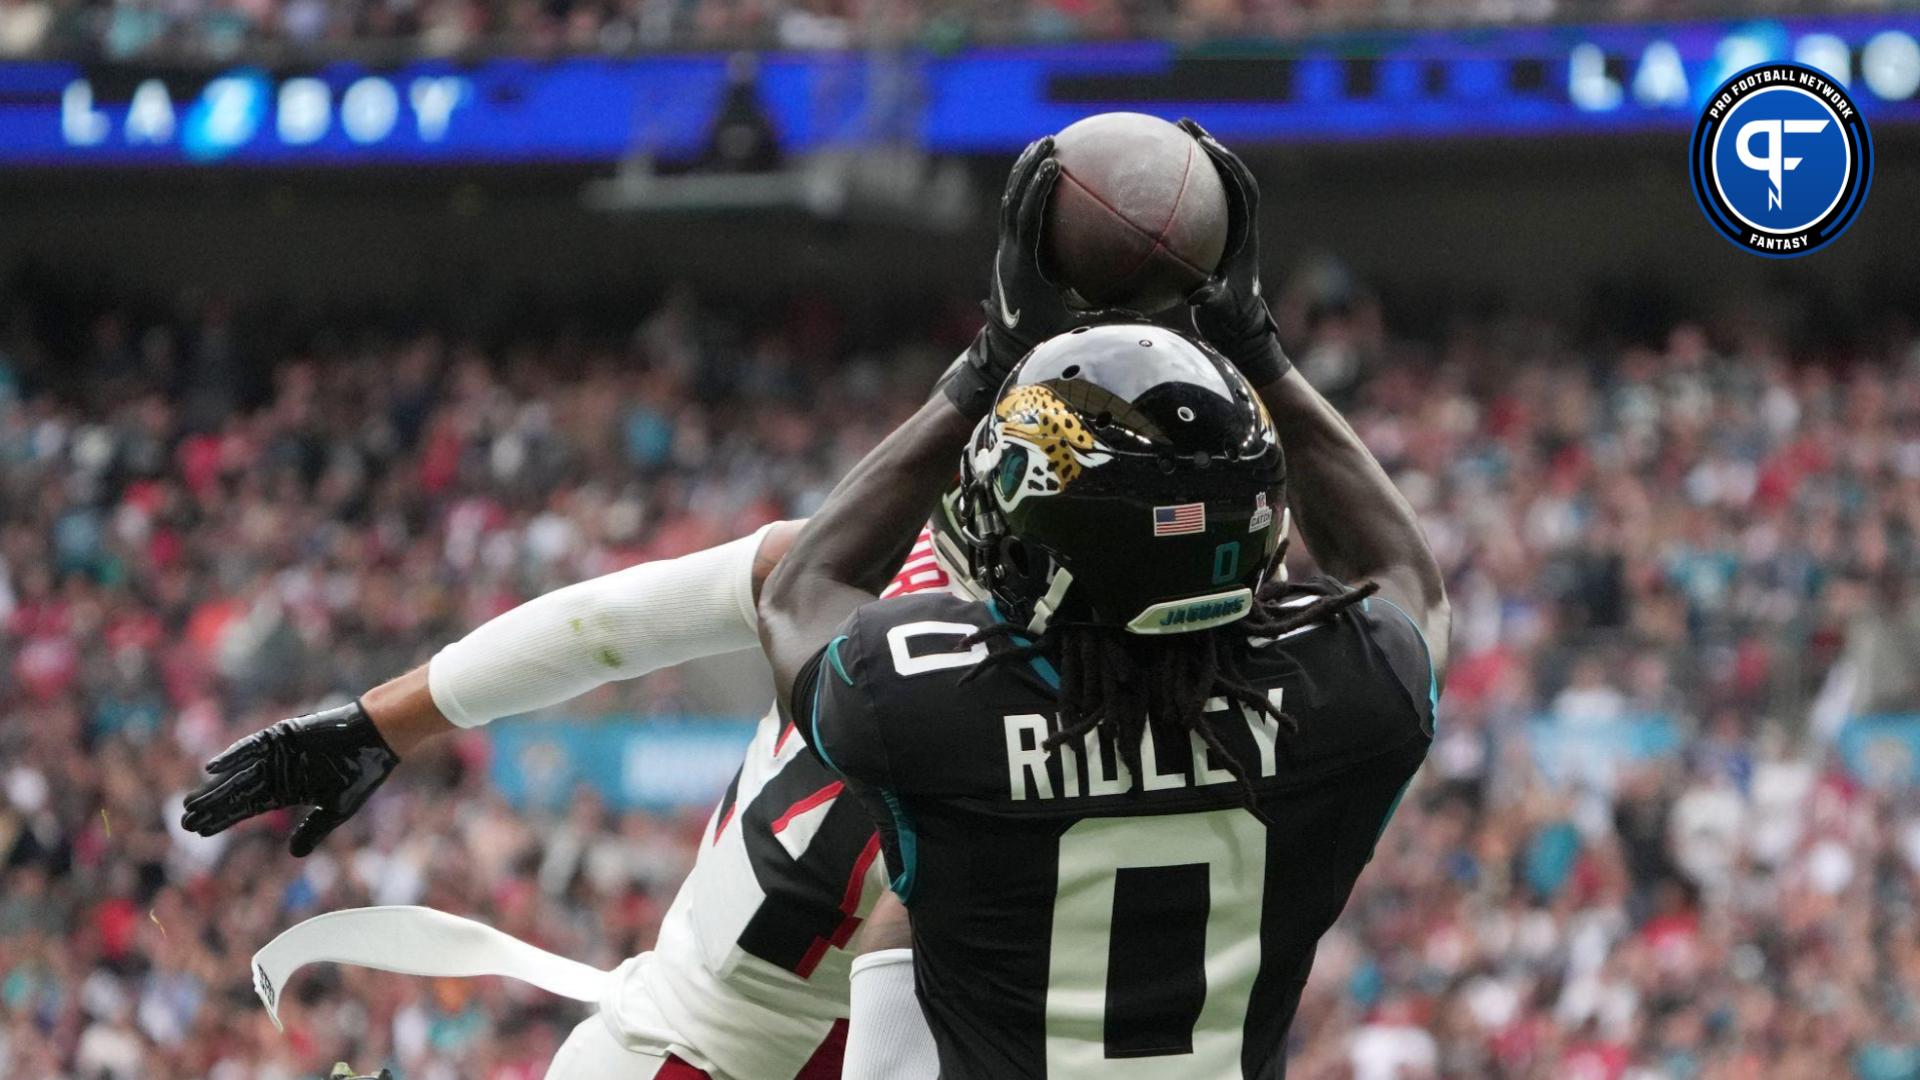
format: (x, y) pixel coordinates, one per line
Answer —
(1702, 540)
(217, 31)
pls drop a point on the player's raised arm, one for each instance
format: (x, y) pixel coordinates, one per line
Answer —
(872, 516)
(870, 520)
(1373, 535)
(552, 648)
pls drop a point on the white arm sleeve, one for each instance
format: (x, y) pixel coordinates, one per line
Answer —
(619, 626)
(887, 1034)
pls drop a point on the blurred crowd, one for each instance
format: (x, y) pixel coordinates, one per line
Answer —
(223, 29)
(1677, 574)
(1711, 536)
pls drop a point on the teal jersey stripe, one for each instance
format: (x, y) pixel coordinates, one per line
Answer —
(1044, 669)
(833, 657)
(1040, 664)
(909, 844)
(820, 682)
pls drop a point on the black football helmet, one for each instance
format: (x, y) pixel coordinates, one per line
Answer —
(1128, 477)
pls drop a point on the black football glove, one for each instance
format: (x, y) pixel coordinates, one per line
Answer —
(1023, 307)
(331, 761)
(1228, 310)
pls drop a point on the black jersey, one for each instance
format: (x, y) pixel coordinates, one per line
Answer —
(1068, 923)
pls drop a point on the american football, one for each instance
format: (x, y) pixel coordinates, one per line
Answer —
(1139, 218)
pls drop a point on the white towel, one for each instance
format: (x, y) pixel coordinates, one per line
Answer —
(416, 941)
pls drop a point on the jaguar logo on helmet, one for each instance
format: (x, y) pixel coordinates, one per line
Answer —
(1034, 445)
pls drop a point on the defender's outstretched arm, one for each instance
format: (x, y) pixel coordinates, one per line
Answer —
(547, 650)
(620, 626)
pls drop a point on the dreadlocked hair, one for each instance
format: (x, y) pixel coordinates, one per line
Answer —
(1114, 680)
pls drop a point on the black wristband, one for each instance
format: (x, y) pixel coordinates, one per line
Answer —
(1262, 361)
(1242, 330)
(969, 383)
(969, 391)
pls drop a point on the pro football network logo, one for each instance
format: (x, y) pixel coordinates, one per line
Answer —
(1781, 160)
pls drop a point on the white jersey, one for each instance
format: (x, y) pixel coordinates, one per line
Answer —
(750, 972)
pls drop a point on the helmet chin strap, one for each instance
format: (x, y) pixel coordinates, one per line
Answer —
(1044, 608)
(958, 564)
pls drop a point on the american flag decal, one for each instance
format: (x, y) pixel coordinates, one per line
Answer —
(1180, 520)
